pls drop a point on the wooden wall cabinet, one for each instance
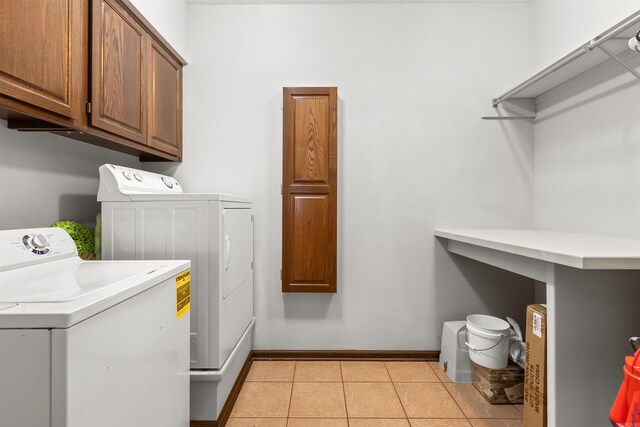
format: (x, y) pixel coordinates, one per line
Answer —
(92, 70)
(309, 189)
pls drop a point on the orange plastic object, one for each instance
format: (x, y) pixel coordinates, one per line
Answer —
(633, 419)
(625, 411)
(633, 399)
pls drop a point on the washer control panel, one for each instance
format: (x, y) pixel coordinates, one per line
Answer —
(116, 182)
(21, 248)
(38, 243)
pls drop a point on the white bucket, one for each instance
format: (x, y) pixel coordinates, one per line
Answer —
(488, 341)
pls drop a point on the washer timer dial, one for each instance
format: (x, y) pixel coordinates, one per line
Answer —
(167, 182)
(38, 243)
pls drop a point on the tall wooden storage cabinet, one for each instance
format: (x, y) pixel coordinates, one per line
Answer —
(310, 188)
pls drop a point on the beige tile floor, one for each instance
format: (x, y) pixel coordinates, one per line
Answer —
(362, 394)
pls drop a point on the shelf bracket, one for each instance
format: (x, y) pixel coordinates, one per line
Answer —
(510, 109)
(619, 61)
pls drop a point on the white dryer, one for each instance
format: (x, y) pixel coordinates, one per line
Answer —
(148, 216)
(90, 343)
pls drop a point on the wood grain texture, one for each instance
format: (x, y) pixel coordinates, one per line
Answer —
(41, 53)
(311, 139)
(311, 239)
(151, 30)
(119, 56)
(165, 101)
(309, 199)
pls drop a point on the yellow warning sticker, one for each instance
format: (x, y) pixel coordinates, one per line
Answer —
(183, 293)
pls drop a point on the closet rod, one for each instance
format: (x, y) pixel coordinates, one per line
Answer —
(615, 30)
(596, 42)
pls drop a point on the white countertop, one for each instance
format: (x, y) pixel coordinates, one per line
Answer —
(582, 251)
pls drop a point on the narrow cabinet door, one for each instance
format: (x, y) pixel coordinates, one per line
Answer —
(165, 101)
(119, 93)
(41, 53)
(309, 196)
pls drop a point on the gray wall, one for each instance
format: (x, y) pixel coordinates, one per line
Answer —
(413, 155)
(169, 17)
(587, 151)
(45, 178)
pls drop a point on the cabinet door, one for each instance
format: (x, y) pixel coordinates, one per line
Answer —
(41, 53)
(165, 101)
(310, 181)
(118, 94)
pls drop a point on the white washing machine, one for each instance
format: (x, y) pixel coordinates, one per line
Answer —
(90, 343)
(148, 216)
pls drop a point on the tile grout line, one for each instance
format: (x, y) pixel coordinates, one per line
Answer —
(465, 417)
(344, 394)
(455, 401)
(293, 381)
(393, 384)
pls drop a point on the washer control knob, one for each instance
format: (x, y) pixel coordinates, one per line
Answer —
(127, 174)
(39, 241)
(167, 182)
(138, 177)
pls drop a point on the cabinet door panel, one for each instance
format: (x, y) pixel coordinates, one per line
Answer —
(165, 101)
(118, 70)
(309, 249)
(40, 42)
(311, 240)
(311, 138)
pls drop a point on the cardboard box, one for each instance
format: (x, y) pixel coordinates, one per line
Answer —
(499, 386)
(535, 376)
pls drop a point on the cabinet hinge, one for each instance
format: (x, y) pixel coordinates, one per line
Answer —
(88, 108)
(281, 189)
(281, 104)
(252, 265)
(251, 217)
(280, 274)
